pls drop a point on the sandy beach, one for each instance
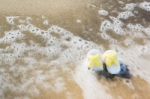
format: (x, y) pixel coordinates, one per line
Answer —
(43, 44)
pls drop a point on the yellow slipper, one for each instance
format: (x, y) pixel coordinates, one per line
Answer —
(94, 60)
(110, 58)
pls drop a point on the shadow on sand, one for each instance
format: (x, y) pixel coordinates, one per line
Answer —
(124, 73)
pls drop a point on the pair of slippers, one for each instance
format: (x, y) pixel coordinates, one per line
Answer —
(108, 61)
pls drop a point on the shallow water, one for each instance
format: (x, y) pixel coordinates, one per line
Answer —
(43, 45)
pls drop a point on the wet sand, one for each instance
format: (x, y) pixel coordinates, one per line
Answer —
(127, 89)
(81, 18)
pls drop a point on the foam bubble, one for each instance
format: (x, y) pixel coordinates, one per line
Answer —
(22, 27)
(10, 19)
(103, 12)
(135, 27)
(52, 51)
(125, 15)
(8, 59)
(130, 6)
(11, 36)
(105, 26)
(116, 21)
(145, 6)
(117, 26)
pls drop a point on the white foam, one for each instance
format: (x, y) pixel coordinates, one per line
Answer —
(116, 25)
(55, 55)
(30, 60)
(145, 5)
(57, 51)
(22, 27)
(11, 36)
(125, 15)
(103, 12)
(130, 6)
(10, 19)
(135, 27)
(105, 26)
(7, 59)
